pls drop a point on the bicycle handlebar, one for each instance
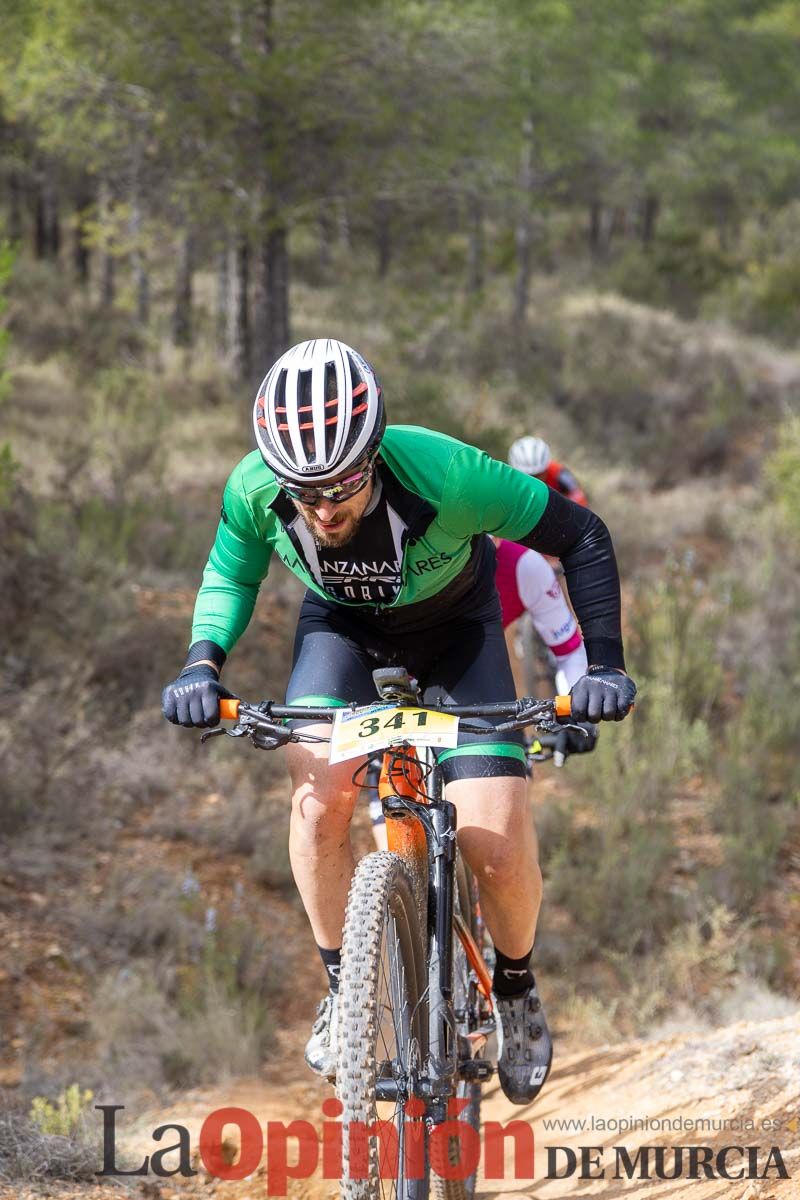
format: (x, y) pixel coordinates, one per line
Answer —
(229, 709)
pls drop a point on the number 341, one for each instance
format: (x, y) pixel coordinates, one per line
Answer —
(372, 725)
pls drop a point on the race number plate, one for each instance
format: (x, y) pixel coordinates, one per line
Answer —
(376, 726)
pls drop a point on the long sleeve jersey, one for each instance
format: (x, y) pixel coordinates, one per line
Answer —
(526, 582)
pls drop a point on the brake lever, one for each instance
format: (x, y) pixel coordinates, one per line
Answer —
(530, 718)
(220, 730)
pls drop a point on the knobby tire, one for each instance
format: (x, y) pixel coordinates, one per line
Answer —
(383, 1022)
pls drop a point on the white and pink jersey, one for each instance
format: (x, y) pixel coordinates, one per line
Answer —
(526, 581)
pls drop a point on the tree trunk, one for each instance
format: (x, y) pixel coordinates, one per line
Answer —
(523, 230)
(452, 210)
(326, 226)
(39, 223)
(14, 208)
(650, 209)
(724, 226)
(108, 272)
(476, 251)
(108, 280)
(344, 224)
(595, 227)
(273, 259)
(223, 298)
(618, 226)
(276, 282)
(142, 285)
(80, 250)
(239, 331)
(141, 277)
(383, 234)
(47, 230)
(182, 311)
(51, 214)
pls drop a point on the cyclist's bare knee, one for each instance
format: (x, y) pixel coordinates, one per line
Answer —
(495, 831)
(321, 793)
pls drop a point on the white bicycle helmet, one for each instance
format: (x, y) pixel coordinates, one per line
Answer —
(529, 454)
(318, 412)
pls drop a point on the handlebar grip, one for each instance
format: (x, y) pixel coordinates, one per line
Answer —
(229, 709)
(563, 706)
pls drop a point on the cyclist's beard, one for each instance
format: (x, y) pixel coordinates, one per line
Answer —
(348, 524)
(345, 519)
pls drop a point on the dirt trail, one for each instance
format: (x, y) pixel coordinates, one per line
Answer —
(747, 1073)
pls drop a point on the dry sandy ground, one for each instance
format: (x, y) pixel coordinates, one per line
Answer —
(748, 1074)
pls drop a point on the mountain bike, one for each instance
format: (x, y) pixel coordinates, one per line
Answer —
(415, 1003)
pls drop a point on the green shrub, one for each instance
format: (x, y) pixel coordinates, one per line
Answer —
(647, 389)
(675, 623)
(782, 471)
(8, 473)
(764, 294)
(201, 1018)
(608, 863)
(611, 877)
(28, 1154)
(759, 799)
(682, 265)
(112, 464)
(610, 855)
(66, 1116)
(7, 259)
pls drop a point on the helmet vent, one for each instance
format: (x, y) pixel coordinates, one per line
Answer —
(331, 409)
(280, 412)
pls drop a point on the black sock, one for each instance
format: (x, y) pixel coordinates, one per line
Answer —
(332, 962)
(512, 976)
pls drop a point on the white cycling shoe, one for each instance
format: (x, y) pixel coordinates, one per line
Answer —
(322, 1048)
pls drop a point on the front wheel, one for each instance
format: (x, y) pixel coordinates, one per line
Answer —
(382, 1035)
(458, 1183)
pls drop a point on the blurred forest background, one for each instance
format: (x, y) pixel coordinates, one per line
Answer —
(574, 219)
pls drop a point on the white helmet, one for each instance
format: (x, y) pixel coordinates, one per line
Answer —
(530, 454)
(318, 412)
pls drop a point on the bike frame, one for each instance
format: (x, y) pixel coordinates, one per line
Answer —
(421, 829)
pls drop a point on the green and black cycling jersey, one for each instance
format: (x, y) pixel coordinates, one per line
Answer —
(418, 554)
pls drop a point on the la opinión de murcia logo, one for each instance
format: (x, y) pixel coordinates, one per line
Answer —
(297, 1149)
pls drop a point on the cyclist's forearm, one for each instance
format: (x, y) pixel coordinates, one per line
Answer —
(236, 566)
(579, 538)
(571, 666)
(222, 610)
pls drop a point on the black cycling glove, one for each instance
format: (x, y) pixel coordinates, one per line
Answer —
(193, 698)
(602, 694)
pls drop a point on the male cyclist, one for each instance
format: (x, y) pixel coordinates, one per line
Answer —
(532, 456)
(384, 526)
